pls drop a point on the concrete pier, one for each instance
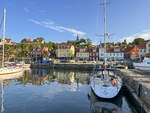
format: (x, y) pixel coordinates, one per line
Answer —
(66, 66)
(78, 66)
(139, 87)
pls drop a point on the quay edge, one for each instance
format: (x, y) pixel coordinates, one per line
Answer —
(66, 66)
(138, 96)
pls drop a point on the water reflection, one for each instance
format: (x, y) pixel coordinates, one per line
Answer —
(103, 106)
(57, 91)
(6, 80)
(41, 77)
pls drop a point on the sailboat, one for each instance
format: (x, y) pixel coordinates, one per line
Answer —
(12, 69)
(103, 84)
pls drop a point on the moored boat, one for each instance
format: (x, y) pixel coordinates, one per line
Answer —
(102, 84)
(105, 85)
(145, 65)
(8, 69)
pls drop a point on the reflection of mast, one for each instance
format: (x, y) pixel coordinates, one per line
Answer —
(2, 97)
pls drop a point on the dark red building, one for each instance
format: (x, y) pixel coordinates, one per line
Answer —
(94, 53)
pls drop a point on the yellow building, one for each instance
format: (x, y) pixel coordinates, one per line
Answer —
(65, 50)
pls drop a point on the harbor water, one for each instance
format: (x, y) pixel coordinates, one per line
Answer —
(57, 91)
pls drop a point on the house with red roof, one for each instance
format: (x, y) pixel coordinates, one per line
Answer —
(7, 40)
(94, 53)
(112, 53)
(132, 52)
(38, 52)
(82, 53)
(26, 40)
(142, 50)
(65, 50)
(148, 48)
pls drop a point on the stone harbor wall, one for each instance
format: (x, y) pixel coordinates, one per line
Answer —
(139, 86)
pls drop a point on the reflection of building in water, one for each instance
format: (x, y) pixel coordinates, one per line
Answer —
(38, 77)
(82, 77)
(65, 77)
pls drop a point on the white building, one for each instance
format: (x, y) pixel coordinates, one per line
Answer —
(142, 50)
(82, 54)
(111, 54)
(148, 48)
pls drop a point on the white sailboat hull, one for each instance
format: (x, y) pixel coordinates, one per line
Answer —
(10, 70)
(102, 91)
(11, 76)
(141, 66)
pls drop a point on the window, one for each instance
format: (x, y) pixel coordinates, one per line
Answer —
(148, 62)
(140, 50)
(148, 45)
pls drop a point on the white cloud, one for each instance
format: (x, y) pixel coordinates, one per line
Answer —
(145, 35)
(34, 21)
(51, 25)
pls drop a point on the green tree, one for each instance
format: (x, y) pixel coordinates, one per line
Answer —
(124, 42)
(138, 41)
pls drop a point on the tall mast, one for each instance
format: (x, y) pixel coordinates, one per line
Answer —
(3, 36)
(105, 34)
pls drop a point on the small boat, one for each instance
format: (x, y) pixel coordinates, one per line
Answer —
(21, 64)
(145, 65)
(105, 85)
(8, 69)
(102, 84)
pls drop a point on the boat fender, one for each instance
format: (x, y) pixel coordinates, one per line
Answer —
(114, 82)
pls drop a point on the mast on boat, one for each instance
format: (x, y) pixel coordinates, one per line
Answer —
(3, 37)
(105, 35)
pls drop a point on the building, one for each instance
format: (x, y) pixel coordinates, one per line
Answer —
(82, 54)
(37, 53)
(148, 48)
(113, 53)
(26, 40)
(94, 53)
(39, 40)
(7, 41)
(132, 52)
(142, 50)
(65, 50)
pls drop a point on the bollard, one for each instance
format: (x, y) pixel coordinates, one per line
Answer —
(140, 90)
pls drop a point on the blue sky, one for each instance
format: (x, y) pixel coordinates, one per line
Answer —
(61, 20)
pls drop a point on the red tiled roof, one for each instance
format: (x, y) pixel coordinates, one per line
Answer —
(64, 46)
(8, 40)
(128, 49)
(142, 45)
(27, 40)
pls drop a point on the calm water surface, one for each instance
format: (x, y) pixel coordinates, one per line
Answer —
(46, 91)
